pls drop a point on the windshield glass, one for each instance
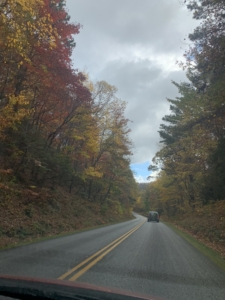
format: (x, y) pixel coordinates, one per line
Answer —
(112, 149)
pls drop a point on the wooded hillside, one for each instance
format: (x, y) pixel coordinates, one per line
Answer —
(190, 186)
(57, 128)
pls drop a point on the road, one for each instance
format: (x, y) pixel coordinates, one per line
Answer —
(135, 255)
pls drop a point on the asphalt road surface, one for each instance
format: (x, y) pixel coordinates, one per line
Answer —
(135, 255)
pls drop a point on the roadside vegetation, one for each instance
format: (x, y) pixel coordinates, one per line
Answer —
(28, 214)
(64, 141)
(189, 189)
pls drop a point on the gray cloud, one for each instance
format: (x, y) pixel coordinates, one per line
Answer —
(116, 28)
(145, 87)
(157, 24)
(134, 45)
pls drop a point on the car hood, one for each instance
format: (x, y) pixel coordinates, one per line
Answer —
(33, 288)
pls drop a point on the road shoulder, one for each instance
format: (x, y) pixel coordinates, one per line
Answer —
(211, 254)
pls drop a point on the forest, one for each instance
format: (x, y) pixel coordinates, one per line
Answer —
(190, 165)
(57, 128)
(64, 140)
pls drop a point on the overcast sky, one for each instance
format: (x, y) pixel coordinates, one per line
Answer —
(134, 45)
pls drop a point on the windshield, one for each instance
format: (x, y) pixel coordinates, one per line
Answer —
(112, 150)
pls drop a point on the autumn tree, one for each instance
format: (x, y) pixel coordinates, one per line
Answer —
(56, 126)
(40, 92)
(192, 135)
(113, 142)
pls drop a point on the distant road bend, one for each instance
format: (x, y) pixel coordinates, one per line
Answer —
(135, 255)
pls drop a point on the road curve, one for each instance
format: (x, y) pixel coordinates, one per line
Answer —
(135, 255)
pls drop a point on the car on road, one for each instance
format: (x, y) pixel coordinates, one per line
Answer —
(153, 216)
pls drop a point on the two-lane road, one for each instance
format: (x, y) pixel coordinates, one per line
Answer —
(134, 255)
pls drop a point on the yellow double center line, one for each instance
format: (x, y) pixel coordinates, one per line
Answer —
(97, 256)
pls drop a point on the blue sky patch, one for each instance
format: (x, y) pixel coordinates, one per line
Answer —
(141, 171)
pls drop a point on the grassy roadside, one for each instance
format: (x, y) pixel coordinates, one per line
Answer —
(30, 215)
(50, 237)
(210, 253)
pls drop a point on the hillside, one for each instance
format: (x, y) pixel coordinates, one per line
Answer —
(29, 213)
(64, 140)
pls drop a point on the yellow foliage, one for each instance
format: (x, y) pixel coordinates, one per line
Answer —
(21, 27)
(92, 172)
(138, 200)
(13, 112)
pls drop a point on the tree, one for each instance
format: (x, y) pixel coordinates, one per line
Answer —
(113, 141)
(57, 127)
(193, 134)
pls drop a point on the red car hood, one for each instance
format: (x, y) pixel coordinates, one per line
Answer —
(28, 288)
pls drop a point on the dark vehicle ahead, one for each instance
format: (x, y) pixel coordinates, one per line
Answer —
(153, 216)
